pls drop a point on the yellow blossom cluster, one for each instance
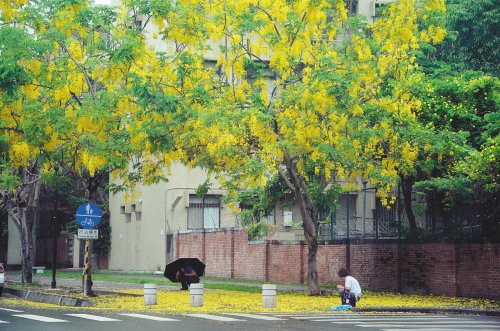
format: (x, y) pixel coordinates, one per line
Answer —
(92, 162)
(9, 8)
(19, 154)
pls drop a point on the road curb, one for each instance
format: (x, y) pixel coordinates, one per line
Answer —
(431, 311)
(49, 298)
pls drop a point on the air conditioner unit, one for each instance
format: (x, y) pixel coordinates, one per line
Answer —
(287, 218)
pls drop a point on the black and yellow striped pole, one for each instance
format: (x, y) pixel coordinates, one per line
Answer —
(87, 279)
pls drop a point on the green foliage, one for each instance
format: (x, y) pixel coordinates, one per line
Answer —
(459, 114)
(15, 45)
(324, 199)
(258, 203)
(257, 230)
(474, 41)
(456, 186)
(203, 188)
(482, 167)
(73, 226)
(9, 181)
(263, 199)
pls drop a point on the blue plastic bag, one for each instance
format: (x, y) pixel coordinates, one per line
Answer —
(341, 307)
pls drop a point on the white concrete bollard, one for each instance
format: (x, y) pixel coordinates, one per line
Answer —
(196, 291)
(150, 294)
(268, 296)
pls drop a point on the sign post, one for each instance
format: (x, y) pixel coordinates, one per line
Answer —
(88, 217)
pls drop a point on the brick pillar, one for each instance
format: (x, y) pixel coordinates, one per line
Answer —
(302, 269)
(204, 246)
(232, 253)
(267, 259)
(348, 254)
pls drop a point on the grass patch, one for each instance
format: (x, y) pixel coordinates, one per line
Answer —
(118, 278)
(232, 287)
(226, 284)
(26, 286)
(209, 282)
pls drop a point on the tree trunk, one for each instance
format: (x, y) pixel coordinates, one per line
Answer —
(407, 188)
(304, 202)
(24, 220)
(3, 234)
(93, 185)
(312, 271)
(22, 207)
(27, 247)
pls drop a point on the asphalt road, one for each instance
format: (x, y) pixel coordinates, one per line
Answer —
(20, 318)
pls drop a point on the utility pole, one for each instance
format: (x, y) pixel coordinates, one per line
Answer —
(55, 224)
(364, 208)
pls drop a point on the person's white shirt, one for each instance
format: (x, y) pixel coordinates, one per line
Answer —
(352, 285)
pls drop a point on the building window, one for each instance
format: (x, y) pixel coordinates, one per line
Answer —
(204, 213)
(380, 9)
(347, 207)
(352, 6)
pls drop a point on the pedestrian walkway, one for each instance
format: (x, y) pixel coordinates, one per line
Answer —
(385, 322)
(395, 322)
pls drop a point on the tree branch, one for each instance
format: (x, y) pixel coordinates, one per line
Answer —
(271, 19)
(285, 179)
(12, 129)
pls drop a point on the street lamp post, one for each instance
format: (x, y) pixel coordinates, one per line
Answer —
(364, 208)
(55, 223)
(54, 251)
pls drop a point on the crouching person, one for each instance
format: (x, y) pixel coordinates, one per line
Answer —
(187, 275)
(350, 292)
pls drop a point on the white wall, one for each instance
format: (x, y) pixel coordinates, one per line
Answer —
(14, 246)
(138, 238)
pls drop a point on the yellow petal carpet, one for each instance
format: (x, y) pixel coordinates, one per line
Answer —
(223, 301)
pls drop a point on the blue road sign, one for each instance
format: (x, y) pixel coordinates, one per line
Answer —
(88, 215)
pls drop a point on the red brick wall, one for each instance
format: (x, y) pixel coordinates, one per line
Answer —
(284, 262)
(249, 258)
(375, 265)
(330, 259)
(479, 270)
(428, 268)
(219, 253)
(471, 270)
(191, 245)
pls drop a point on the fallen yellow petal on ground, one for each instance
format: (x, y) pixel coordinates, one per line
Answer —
(223, 301)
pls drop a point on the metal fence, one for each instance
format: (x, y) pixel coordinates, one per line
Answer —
(354, 218)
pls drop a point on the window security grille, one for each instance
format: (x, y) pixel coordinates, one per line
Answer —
(204, 213)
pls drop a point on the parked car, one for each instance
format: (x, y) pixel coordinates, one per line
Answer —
(2, 278)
